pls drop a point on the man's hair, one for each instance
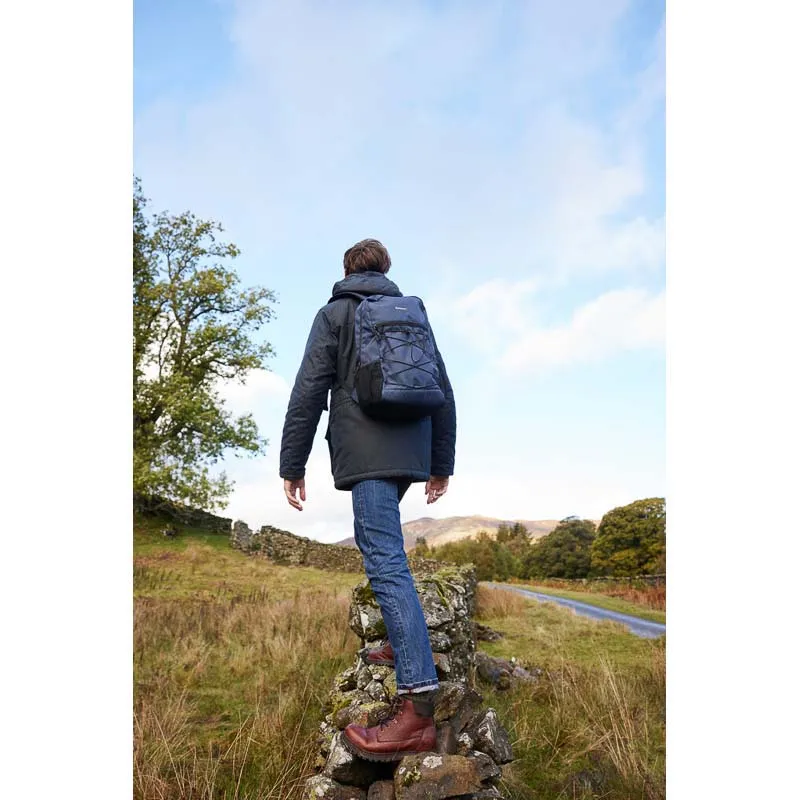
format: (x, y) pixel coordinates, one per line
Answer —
(367, 255)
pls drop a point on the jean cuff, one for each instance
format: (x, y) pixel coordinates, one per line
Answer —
(429, 688)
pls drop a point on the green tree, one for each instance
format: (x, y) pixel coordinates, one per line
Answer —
(482, 555)
(632, 540)
(518, 541)
(503, 533)
(493, 560)
(566, 552)
(505, 564)
(192, 331)
(421, 547)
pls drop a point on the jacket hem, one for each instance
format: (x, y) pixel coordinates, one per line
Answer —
(415, 476)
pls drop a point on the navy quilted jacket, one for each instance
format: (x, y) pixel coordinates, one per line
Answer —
(360, 448)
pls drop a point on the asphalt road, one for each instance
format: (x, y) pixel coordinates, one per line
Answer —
(639, 627)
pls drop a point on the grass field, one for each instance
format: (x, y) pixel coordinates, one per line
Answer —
(234, 656)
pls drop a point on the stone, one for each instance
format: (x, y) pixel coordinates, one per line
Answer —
(457, 704)
(366, 620)
(360, 713)
(491, 738)
(442, 664)
(363, 678)
(485, 767)
(464, 744)
(325, 737)
(381, 790)
(436, 609)
(492, 793)
(496, 671)
(483, 633)
(380, 673)
(241, 536)
(346, 681)
(343, 767)
(338, 699)
(440, 641)
(522, 674)
(430, 776)
(376, 691)
(446, 742)
(321, 787)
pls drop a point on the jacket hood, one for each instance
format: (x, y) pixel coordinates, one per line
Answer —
(367, 283)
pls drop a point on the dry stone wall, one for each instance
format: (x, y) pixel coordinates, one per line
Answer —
(185, 515)
(472, 745)
(287, 548)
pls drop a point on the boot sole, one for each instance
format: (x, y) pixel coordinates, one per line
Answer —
(383, 757)
(380, 662)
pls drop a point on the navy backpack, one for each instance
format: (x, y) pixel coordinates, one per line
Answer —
(397, 374)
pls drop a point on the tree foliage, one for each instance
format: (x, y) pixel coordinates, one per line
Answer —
(629, 541)
(493, 559)
(566, 552)
(193, 328)
(632, 540)
(421, 547)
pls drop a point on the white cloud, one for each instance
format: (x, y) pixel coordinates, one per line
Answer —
(505, 298)
(618, 321)
(502, 320)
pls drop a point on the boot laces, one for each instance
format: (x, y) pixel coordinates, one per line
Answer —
(390, 714)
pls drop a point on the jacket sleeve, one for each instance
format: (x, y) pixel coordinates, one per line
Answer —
(309, 397)
(443, 428)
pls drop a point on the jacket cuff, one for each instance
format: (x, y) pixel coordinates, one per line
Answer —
(293, 476)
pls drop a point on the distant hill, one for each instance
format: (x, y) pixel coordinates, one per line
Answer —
(451, 529)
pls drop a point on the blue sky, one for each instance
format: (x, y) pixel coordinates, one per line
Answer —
(511, 157)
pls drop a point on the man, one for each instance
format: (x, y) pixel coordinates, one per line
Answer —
(376, 461)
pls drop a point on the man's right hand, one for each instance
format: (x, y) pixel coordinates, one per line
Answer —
(436, 487)
(290, 490)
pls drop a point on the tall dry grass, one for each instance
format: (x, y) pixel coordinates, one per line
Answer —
(498, 604)
(228, 692)
(589, 733)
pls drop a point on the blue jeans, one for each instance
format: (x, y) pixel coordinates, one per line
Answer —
(376, 512)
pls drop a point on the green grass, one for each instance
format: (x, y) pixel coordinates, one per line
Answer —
(601, 601)
(199, 565)
(546, 636)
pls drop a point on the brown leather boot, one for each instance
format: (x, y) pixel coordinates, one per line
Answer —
(381, 655)
(403, 732)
